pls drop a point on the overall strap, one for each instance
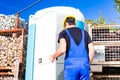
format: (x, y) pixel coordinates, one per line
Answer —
(77, 51)
(82, 39)
(71, 38)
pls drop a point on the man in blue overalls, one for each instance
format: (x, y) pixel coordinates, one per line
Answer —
(77, 45)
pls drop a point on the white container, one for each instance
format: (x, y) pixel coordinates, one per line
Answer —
(43, 30)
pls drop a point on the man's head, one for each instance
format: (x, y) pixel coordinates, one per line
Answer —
(69, 20)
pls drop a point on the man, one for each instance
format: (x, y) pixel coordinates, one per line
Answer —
(77, 45)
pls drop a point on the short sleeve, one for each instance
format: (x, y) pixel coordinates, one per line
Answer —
(61, 35)
(87, 38)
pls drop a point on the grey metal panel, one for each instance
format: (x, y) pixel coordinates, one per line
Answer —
(60, 60)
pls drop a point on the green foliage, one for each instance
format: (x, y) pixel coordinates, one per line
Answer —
(112, 29)
(89, 21)
(117, 6)
(100, 20)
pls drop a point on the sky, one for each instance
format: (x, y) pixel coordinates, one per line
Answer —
(91, 9)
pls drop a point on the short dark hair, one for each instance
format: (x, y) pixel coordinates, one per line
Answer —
(70, 20)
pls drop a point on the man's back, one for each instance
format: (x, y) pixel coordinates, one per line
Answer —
(76, 33)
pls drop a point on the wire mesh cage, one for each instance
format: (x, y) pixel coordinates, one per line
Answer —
(112, 53)
(109, 37)
(107, 77)
(12, 46)
(106, 34)
(108, 73)
(11, 51)
(106, 40)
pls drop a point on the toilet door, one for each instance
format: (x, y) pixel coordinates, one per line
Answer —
(45, 45)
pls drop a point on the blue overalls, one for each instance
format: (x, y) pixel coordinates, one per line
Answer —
(76, 65)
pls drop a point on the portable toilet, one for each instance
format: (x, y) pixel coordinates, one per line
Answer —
(43, 30)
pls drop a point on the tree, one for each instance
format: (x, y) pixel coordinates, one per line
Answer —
(117, 6)
(101, 19)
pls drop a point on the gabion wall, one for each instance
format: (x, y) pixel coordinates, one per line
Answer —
(8, 22)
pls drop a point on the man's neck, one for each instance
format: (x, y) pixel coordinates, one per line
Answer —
(70, 26)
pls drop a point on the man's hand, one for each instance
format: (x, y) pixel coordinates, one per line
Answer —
(51, 58)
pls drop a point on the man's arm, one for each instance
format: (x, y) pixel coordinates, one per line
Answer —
(60, 51)
(91, 52)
